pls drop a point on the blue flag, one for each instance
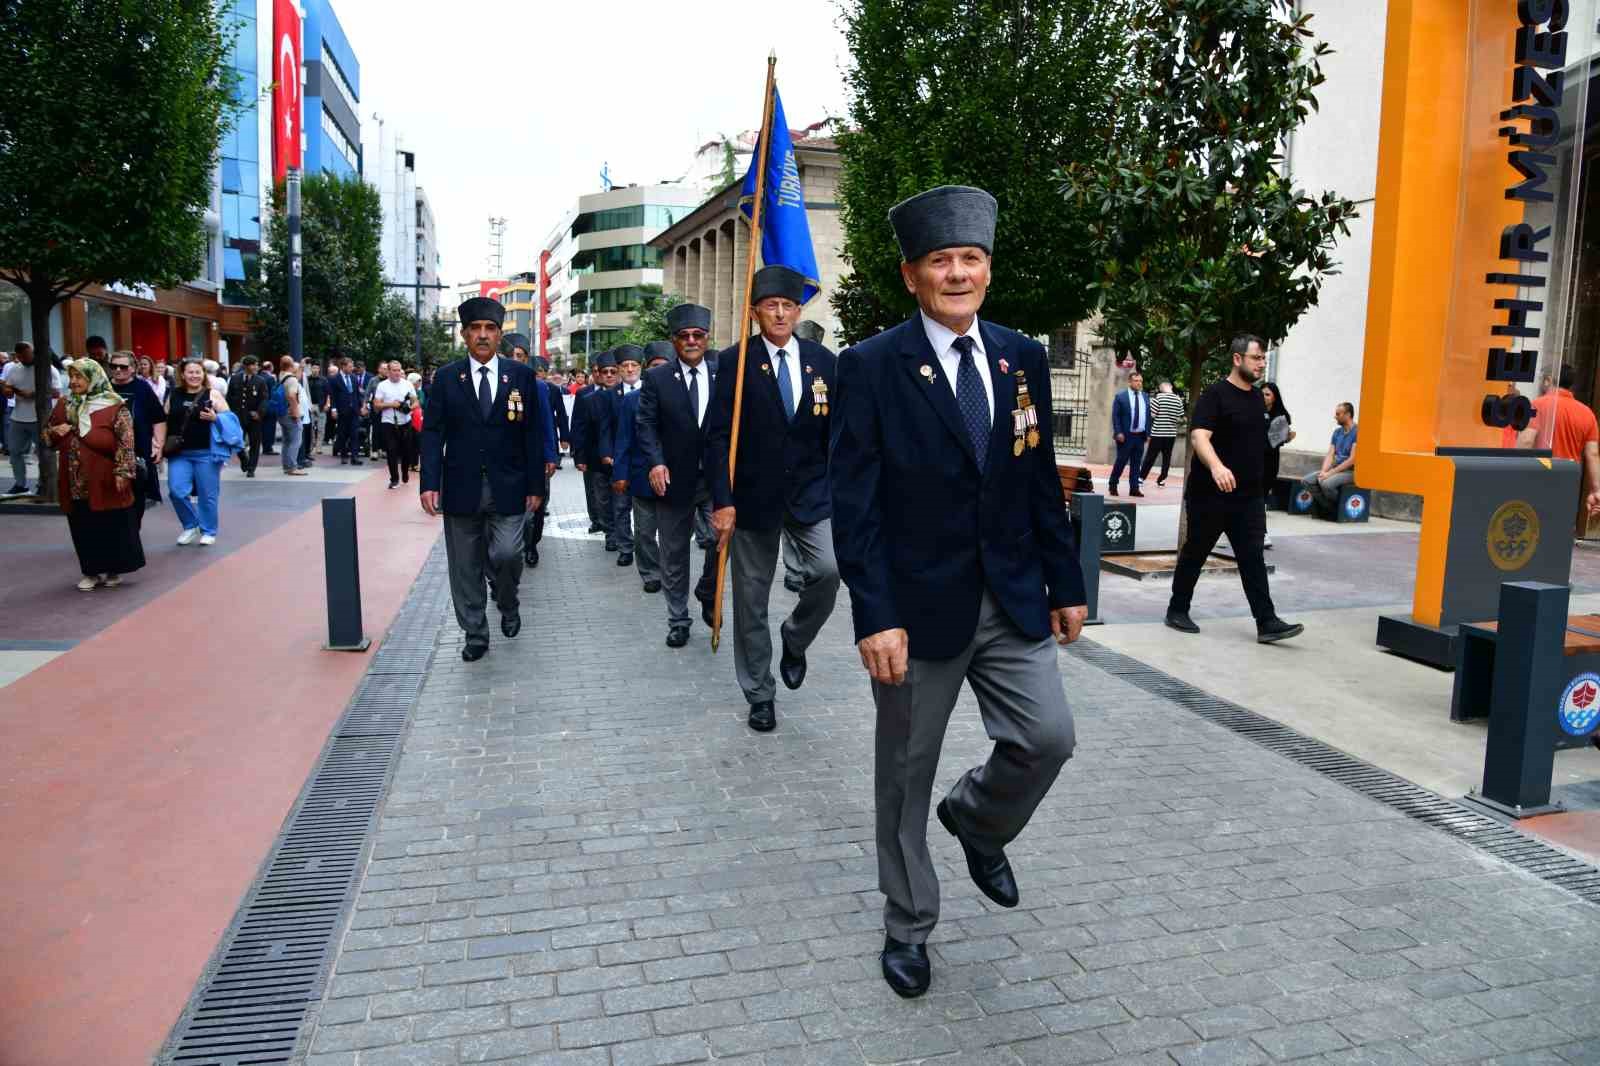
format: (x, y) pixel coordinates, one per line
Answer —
(785, 233)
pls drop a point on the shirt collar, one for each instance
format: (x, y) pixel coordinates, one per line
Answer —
(494, 369)
(941, 337)
(684, 368)
(793, 347)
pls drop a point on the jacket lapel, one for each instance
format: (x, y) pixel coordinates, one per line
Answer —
(1005, 393)
(469, 385)
(919, 361)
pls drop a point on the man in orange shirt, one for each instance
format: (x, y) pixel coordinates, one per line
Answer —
(1575, 436)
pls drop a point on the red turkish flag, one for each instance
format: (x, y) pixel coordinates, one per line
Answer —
(287, 95)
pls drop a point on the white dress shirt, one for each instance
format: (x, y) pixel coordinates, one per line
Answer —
(625, 388)
(494, 376)
(1138, 412)
(793, 348)
(943, 341)
(703, 388)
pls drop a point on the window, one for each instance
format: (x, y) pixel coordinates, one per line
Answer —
(623, 257)
(230, 175)
(602, 339)
(16, 322)
(338, 143)
(198, 328)
(340, 83)
(601, 301)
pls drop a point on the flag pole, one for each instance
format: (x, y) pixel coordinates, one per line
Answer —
(763, 140)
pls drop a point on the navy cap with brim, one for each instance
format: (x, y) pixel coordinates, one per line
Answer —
(662, 350)
(950, 216)
(481, 309)
(515, 340)
(603, 360)
(778, 281)
(625, 352)
(688, 316)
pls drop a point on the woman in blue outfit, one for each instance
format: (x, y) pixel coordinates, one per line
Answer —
(192, 406)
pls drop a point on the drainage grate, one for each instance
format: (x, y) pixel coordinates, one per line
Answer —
(1414, 801)
(253, 999)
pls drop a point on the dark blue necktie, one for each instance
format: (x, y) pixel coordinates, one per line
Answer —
(972, 400)
(785, 386)
(485, 397)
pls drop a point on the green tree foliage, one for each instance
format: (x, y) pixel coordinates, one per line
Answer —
(341, 226)
(992, 93)
(394, 335)
(111, 114)
(1197, 233)
(650, 320)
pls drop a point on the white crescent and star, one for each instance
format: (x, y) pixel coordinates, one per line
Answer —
(286, 54)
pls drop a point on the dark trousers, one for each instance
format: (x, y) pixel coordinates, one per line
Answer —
(269, 432)
(533, 528)
(1161, 446)
(397, 449)
(304, 459)
(1244, 520)
(1129, 454)
(251, 455)
(597, 485)
(345, 434)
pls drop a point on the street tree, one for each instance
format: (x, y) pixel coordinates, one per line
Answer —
(341, 225)
(650, 320)
(1198, 234)
(991, 93)
(111, 118)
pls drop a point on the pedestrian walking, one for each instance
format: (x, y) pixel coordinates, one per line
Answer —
(599, 421)
(93, 430)
(247, 397)
(1166, 415)
(780, 486)
(630, 360)
(672, 411)
(344, 407)
(483, 469)
(288, 405)
(633, 475)
(393, 401)
(317, 389)
(23, 426)
(1224, 491)
(1130, 424)
(533, 524)
(154, 376)
(558, 408)
(149, 430)
(952, 534)
(192, 468)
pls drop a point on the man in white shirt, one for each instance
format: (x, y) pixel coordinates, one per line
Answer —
(22, 429)
(393, 399)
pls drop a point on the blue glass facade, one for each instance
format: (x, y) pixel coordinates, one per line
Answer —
(240, 158)
(333, 95)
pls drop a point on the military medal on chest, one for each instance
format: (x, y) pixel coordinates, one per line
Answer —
(514, 405)
(1025, 419)
(819, 395)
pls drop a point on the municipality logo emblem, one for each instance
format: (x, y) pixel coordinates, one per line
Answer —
(1354, 505)
(1580, 705)
(1303, 497)
(1116, 527)
(1513, 535)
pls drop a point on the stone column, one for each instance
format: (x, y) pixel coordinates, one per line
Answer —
(708, 279)
(669, 270)
(691, 272)
(739, 234)
(729, 291)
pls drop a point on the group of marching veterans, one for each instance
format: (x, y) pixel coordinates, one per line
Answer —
(917, 466)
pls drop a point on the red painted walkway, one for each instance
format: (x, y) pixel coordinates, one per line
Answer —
(140, 794)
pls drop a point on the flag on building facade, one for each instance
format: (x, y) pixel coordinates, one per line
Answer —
(785, 233)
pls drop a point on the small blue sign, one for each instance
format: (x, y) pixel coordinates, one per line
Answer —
(1579, 712)
(1354, 504)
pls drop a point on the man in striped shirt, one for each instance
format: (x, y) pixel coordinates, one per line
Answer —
(1166, 415)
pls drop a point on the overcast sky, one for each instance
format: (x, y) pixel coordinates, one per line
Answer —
(513, 108)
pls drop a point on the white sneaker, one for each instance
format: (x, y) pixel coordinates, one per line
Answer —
(207, 540)
(112, 581)
(88, 584)
(189, 536)
(1266, 541)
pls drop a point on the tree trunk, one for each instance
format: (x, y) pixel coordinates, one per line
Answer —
(41, 298)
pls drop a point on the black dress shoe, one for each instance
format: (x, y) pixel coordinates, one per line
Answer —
(473, 652)
(652, 587)
(625, 559)
(677, 636)
(1275, 629)
(530, 557)
(704, 595)
(1136, 492)
(1111, 490)
(594, 527)
(905, 967)
(791, 667)
(1181, 621)
(764, 716)
(991, 873)
(511, 624)
(792, 585)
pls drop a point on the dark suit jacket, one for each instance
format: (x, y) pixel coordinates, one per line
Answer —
(668, 433)
(558, 410)
(603, 407)
(1122, 414)
(341, 399)
(246, 395)
(547, 422)
(459, 445)
(631, 466)
(580, 439)
(783, 464)
(921, 532)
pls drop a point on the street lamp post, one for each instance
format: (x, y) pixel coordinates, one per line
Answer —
(296, 307)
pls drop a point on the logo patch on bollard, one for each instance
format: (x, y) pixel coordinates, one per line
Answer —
(1580, 705)
(1304, 499)
(1354, 505)
(1513, 535)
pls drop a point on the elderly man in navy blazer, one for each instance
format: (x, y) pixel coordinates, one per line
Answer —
(672, 411)
(780, 486)
(483, 468)
(951, 532)
(632, 474)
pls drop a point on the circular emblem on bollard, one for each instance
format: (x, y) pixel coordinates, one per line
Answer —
(1116, 528)
(1513, 535)
(1354, 505)
(1579, 712)
(1303, 498)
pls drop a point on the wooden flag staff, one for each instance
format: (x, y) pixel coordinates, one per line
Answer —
(762, 143)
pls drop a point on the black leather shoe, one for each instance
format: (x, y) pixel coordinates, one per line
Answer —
(473, 652)
(677, 636)
(652, 587)
(1111, 490)
(530, 557)
(791, 667)
(511, 624)
(625, 559)
(791, 584)
(1181, 621)
(764, 716)
(1136, 492)
(594, 527)
(1275, 629)
(905, 967)
(991, 873)
(705, 604)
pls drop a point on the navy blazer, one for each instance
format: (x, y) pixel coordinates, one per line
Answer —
(343, 398)
(1122, 414)
(552, 450)
(783, 463)
(580, 424)
(460, 446)
(631, 466)
(668, 433)
(558, 410)
(920, 532)
(603, 408)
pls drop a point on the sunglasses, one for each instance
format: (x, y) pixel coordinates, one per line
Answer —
(121, 366)
(693, 334)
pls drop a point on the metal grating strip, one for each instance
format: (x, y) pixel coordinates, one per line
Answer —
(269, 970)
(1480, 831)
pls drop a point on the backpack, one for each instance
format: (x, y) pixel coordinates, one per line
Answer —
(278, 402)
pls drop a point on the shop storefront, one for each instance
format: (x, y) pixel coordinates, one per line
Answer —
(165, 324)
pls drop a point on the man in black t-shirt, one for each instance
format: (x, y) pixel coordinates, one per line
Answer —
(1224, 493)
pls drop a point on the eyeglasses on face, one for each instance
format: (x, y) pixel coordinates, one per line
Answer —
(692, 334)
(121, 366)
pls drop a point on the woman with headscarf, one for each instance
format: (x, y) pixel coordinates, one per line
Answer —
(93, 430)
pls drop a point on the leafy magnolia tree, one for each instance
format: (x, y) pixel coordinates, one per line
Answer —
(991, 93)
(394, 335)
(1197, 234)
(650, 320)
(341, 226)
(110, 119)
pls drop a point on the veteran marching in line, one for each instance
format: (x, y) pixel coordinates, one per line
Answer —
(917, 466)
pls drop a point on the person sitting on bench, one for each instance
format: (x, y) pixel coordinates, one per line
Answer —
(1339, 465)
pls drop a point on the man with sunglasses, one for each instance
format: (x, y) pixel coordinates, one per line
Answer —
(149, 427)
(592, 419)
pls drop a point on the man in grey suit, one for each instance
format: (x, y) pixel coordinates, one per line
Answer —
(951, 532)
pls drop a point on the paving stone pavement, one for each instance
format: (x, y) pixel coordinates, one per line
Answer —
(586, 858)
